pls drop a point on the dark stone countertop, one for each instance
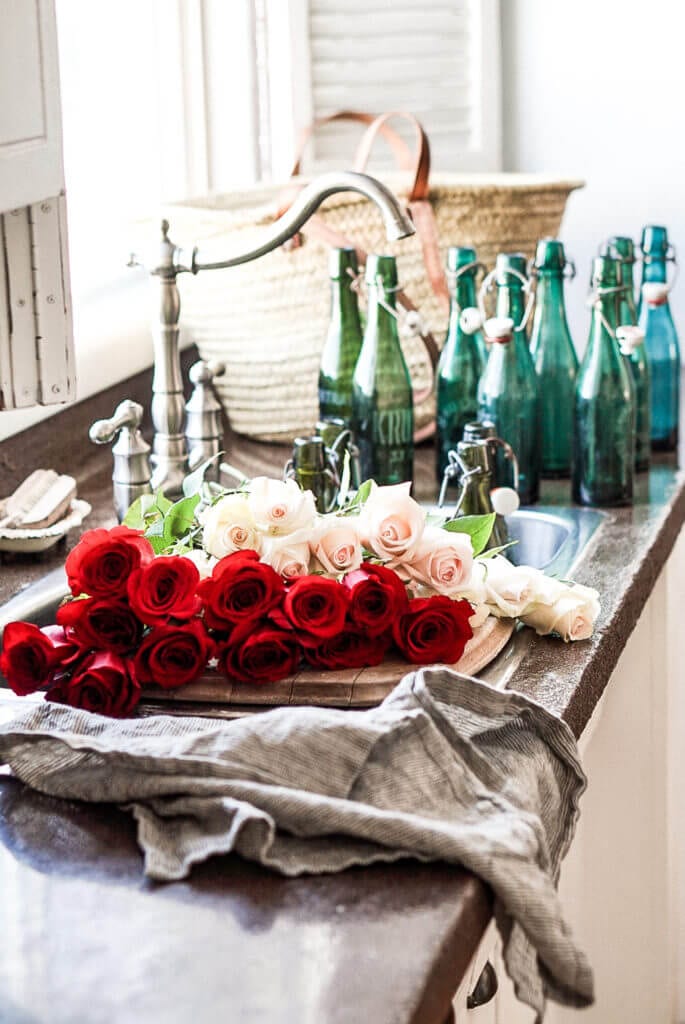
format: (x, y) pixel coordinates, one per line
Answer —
(88, 938)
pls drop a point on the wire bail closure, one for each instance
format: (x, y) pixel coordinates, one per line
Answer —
(568, 271)
(529, 291)
(669, 257)
(624, 334)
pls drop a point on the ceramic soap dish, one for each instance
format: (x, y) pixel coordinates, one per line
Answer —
(40, 512)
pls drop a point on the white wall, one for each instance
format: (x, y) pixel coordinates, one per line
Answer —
(595, 89)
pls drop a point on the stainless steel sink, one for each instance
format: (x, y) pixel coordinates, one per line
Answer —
(38, 602)
(551, 538)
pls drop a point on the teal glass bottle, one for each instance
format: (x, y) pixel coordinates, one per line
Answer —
(382, 401)
(343, 340)
(661, 338)
(555, 359)
(622, 248)
(655, 252)
(508, 391)
(461, 363)
(604, 436)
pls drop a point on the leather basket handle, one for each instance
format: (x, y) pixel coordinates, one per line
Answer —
(419, 206)
(421, 159)
(399, 147)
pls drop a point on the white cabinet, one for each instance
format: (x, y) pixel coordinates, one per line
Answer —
(36, 345)
(623, 881)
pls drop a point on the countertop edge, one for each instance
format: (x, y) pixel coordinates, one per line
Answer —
(612, 639)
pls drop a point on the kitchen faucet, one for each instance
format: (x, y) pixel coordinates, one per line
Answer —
(170, 448)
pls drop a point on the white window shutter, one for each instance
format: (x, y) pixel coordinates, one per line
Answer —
(36, 344)
(440, 61)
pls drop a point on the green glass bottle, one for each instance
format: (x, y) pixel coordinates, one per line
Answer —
(508, 390)
(661, 338)
(461, 363)
(555, 359)
(604, 436)
(343, 340)
(310, 470)
(622, 249)
(382, 401)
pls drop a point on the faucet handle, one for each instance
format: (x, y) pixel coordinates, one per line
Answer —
(204, 371)
(127, 414)
(132, 471)
(165, 259)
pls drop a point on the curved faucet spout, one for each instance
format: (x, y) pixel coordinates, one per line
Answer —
(170, 448)
(397, 223)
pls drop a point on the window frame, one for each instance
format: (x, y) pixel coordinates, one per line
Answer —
(201, 157)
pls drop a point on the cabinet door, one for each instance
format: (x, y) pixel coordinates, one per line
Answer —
(30, 118)
(36, 344)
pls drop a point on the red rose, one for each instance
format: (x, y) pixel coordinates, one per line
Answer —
(257, 652)
(103, 682)
(29, 658)
(349, 649)
(377, 597)
(316, 606)
(105, 625)
(433, 629)
(174, 655)
(164, 589)
(240, 588)
(103, 560)
(68, 650)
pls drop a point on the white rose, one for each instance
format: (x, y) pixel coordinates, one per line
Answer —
(391, 523)
(481, 612)
(510, 589)
(572, 615)
(336, 545)
(279, 507)
(289, 556)
(230, 526)
(441, 560)
(202, 561)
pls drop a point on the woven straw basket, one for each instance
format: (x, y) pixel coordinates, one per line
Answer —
(267, 320)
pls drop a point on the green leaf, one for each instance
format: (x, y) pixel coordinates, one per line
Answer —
(135, 516)
(363, 492)
(155, 528)
(161, 503)
(145, 510)
(180, 518)
(193, 482)
(354, 505)
(159, 544)
(497, 551)
(478, 528)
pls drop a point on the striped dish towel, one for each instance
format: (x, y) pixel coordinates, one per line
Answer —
(447, 768)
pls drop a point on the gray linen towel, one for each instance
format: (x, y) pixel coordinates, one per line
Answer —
(445, 769)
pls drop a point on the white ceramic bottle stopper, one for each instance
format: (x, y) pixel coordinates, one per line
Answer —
(629, 338)
(505, 500)
(470, 320)
(655, 293)
(499, 329)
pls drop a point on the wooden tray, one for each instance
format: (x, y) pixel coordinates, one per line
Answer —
(350, 688)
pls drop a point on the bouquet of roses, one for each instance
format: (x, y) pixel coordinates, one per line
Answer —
(253, 583)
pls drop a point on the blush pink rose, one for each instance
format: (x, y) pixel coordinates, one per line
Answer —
(442, 561)
(391, 523)
(337, 547)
